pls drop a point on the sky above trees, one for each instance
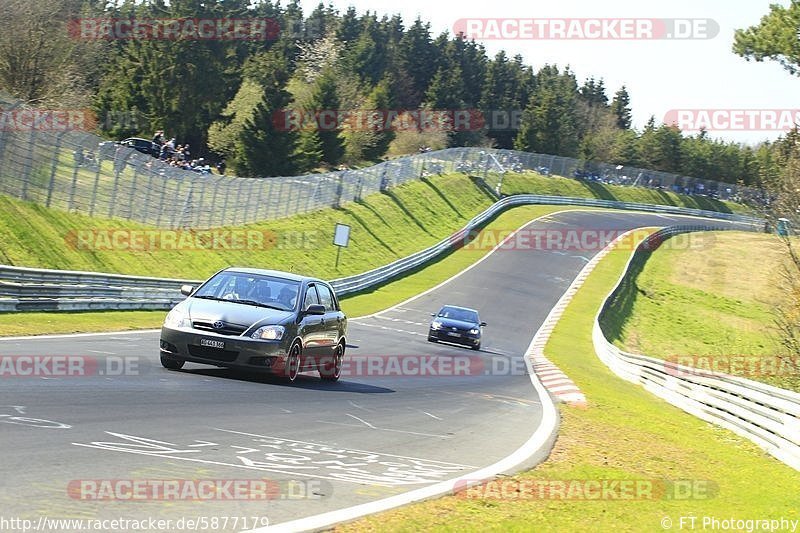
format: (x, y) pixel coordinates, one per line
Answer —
(660, 75)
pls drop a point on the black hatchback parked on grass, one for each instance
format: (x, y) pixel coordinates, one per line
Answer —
(257, 320)
(456, 324)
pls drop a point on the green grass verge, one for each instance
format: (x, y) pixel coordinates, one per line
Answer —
(357, 305)
(385, 227)
(531, 182)
(710, 304)
(48, 323)
(625, 433)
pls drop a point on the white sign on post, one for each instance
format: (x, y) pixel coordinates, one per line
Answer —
(341, 236)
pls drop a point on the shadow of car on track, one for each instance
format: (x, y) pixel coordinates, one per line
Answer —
(303, 381)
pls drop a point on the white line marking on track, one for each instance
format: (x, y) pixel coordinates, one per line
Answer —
(354, 404)
(362, 421)
(404, 321)
(349, 449)
(386, 328)
(387, 429)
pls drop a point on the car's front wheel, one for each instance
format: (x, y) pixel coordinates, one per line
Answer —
(292, 368)
(171, 363)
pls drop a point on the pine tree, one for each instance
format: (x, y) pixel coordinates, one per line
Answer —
(621, 107)
(324, 103)
(265, 147)
(367, 56)
(550, 122)
(308, 153)
(380, 100)
(417, 56)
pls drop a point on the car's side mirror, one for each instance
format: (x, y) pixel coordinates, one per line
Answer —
(187, 290)
(433, 314)
(315, 309)
(483, 324)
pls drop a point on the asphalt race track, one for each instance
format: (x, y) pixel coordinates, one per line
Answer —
(374, 434)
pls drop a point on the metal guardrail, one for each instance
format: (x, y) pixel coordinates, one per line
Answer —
(24, 289)
(36, 289)
(767, 415)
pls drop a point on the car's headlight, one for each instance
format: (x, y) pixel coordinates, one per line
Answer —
(475, 331)
(269, 333)
(436, 324)
(177, 319)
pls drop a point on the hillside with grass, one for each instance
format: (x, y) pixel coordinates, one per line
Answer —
(707, 304)
(531, 182)
(385, 227)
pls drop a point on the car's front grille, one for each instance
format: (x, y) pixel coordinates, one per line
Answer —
(206, 352)
(226, 329)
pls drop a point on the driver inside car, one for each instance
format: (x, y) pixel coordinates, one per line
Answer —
(236, 287)
(260, 292)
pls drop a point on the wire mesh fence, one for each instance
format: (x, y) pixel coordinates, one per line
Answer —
(81, 172)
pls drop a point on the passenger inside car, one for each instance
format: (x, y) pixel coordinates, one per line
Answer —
(287, 296)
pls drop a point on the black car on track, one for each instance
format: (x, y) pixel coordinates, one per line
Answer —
(144, 146)
(257, 319)
(459, 325)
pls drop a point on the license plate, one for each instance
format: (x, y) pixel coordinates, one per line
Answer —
(212, 344)
(453, 334)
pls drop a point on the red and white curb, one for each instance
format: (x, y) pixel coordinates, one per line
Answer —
(560, 387)
(557, 383)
